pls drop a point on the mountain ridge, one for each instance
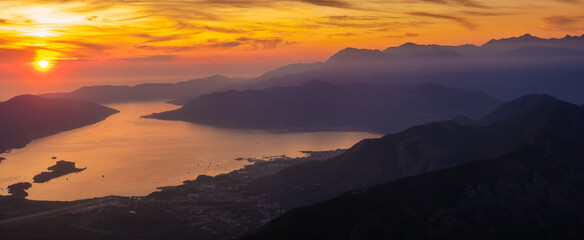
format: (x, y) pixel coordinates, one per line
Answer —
(320, 106)
(148, 91)
(505, 68)
(426, 148)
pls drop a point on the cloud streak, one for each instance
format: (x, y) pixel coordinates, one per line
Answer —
(569, 1)
(405, 35)
(465, 3)
(155, 58)
(461, 20)
(560, 20)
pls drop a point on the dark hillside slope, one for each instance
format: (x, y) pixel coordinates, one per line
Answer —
(524, 195)
(553, 125)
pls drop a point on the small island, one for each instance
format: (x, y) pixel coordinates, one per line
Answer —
(18, 190)
(61, 168)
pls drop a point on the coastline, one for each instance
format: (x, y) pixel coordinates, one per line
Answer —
(277, 129)
(212, 207)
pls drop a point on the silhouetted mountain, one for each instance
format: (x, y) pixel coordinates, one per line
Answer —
(527, 40)
(522, 104)
(505, 68)
(357, 56)
(524, 195)
(149, 91)
(524, 46)
(321, 106)
(412, 50)
(27, 117)
(353, 57)
(548, 123)
(291, 69)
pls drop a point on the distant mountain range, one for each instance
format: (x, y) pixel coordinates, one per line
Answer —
(148, 91)
(27, 117)
(493, 49)
(321, 106)
(504, 68)
(507, 44)
(529, 186)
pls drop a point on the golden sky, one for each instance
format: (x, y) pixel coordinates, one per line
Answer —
(188, 38)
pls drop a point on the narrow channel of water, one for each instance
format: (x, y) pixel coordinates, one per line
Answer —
(130, 156)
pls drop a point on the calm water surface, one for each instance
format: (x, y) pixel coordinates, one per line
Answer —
(130, 156)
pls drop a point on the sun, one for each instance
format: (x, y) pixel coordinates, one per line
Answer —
(43, 65)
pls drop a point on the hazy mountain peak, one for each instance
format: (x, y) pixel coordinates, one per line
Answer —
(523, 37)
(148, 91)
(528, 40)
(294, 68)
(516, 106)
(216, 76)
(528, 36)
(356, 54)
(351, 50)
(410, 50)
(530, 100)
(410, 44)
(536, 97)
(26, 98)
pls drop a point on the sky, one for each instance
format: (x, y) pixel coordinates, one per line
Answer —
(121, 40)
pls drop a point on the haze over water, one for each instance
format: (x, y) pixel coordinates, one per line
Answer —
(127, 155)
(11, 88)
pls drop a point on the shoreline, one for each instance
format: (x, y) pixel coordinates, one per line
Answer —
(189, 140)
(257, 168)
(272, 129)
(218, 207)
